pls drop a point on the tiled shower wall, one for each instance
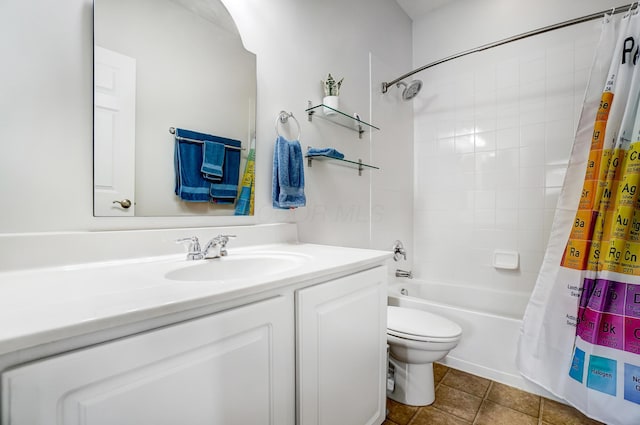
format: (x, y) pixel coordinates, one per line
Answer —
(493, 135)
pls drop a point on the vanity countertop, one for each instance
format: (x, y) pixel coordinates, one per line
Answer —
(45, 305)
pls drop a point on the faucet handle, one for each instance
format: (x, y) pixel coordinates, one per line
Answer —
(195, 253)
(193, 241)
(222, 240)
(399, 251)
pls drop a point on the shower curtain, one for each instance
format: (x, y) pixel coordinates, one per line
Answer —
(580, 337)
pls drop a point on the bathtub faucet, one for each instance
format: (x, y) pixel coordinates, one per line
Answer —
(399, 251)
(404, 273)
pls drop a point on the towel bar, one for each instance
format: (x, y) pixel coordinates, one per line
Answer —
(172, 130)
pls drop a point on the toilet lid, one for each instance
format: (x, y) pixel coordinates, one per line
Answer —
(420, 325)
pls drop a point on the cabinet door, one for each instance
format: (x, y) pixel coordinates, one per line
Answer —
(341, 350)
(232, 367)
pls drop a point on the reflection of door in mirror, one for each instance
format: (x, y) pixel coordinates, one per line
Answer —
(114, 133)
(191, 72)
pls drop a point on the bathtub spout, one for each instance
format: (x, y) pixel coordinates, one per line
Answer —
(404, 273)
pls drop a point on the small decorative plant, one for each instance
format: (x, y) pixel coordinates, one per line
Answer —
(331, 88)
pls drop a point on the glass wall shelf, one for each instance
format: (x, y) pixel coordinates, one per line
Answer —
(352, 122)
(354, 164)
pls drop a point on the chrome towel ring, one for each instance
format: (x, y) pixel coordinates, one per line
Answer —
(283, 118)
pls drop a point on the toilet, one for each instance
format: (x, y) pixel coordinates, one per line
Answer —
(416, 339)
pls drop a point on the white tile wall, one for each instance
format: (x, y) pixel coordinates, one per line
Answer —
(493, 135)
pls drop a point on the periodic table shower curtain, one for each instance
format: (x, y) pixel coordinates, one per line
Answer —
(580, 336)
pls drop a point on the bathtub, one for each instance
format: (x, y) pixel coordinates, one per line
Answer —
(490, 322)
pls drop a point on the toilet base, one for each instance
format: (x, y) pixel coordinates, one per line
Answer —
(414, 384)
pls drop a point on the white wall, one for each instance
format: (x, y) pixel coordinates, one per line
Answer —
(46, 112)
(307, 39)
(392, 189)
(493, 134)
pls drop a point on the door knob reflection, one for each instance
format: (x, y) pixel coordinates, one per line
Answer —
(125, 203)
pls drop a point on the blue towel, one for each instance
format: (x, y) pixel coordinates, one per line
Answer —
(325, 152)
(288, 175)
(212, 160)
(190, 185)
(226, 191)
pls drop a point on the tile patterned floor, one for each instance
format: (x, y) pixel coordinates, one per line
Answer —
(465, 399)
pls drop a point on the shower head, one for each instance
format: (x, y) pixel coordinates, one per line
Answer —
(411, 90)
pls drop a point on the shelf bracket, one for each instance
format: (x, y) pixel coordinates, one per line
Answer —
(359, 127)
(310, 115)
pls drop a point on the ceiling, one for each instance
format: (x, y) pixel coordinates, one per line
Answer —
(417, 8)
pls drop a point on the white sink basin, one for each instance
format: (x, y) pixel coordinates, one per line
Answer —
(238, 267)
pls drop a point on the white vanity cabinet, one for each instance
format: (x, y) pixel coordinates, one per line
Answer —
(341, 350)
(230, 367)
(301, 349)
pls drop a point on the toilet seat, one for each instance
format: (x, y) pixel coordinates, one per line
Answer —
(420, 338)
(418, 325)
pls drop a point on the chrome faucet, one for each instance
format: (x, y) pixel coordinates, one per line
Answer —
(404, 273)
(398, 251)
(194, 252)
(219, 243)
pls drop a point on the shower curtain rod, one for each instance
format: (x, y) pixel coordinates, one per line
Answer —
(587, 18)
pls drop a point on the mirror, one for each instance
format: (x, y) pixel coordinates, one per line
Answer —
(161, 64)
